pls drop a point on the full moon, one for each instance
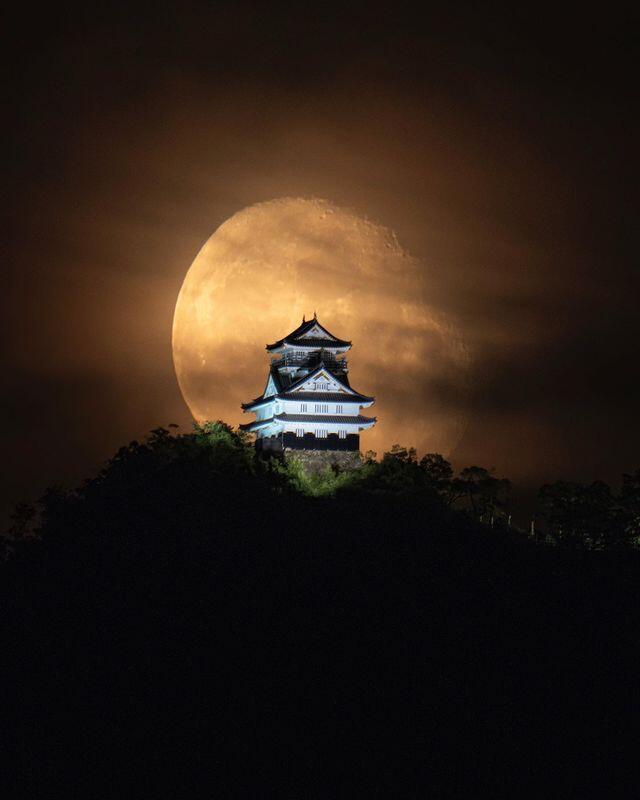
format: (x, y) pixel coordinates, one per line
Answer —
(273, 262)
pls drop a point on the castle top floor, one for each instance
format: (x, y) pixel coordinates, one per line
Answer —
(310, 335)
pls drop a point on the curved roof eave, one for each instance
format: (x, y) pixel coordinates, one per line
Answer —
(293, 338)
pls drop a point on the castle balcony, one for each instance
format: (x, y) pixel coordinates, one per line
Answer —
(311, 360)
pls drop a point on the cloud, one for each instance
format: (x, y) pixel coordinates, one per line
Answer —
(132, 149)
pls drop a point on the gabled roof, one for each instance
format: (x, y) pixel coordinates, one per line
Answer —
(322, 367)
(310, 333)
(289, 392)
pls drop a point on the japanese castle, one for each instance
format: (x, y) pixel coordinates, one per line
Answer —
(308, 403)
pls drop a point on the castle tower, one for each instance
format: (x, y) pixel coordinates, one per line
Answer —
(308, 403)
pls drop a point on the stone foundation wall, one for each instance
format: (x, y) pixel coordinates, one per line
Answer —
(317, 460)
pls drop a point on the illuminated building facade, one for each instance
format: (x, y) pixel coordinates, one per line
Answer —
(308, 403)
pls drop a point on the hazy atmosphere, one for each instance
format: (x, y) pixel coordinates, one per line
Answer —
(498, 151)
(320, 398)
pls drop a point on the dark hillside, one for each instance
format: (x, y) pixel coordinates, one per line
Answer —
(189, 624)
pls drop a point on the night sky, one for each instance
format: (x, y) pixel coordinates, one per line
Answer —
(500, 145)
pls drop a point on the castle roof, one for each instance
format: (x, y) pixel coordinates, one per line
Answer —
(289, 393)
(310, 334)
(333, 419)
(326, 418)
(257, 423)
(327, 397)
(321, 367)
(318, 397)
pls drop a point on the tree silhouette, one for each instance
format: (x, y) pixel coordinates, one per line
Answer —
(194, 609)
(481, 493)
(587, 516)
(439, 475)
(630, 504)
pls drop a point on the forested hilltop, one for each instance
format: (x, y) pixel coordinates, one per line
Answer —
(195, 615)
(568, 514)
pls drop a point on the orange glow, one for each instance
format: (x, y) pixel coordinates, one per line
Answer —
(273, 262)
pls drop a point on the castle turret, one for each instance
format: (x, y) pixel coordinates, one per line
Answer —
(307, 403)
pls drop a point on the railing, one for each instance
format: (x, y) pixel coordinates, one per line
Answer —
(311, 360)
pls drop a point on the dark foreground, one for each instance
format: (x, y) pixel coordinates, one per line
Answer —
(186, 628)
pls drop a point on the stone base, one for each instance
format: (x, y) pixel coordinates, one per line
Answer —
(315, 461)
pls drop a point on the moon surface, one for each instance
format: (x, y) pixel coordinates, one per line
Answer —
(271, 263)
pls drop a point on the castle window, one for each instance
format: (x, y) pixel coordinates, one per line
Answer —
(303, 407)
(300, 432)
(322, 408)
(338, 409)
(342, 434)
(321, 434)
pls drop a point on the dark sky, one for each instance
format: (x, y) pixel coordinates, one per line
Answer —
(499, 143)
